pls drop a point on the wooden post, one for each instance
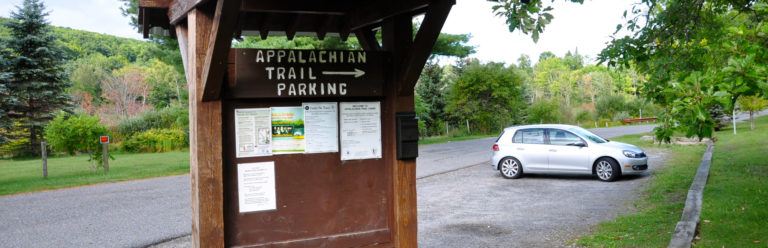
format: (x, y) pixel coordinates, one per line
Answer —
(468, 130)
(105, 156)
(45, 159)
(397, 38)
(205, 138)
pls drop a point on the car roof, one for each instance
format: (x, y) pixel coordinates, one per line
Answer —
(560, 126)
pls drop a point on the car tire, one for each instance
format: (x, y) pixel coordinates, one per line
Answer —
(510, 168)
(607, 169)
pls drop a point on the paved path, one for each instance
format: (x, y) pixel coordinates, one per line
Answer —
(125, 214)
(533, 211)
(144, 212)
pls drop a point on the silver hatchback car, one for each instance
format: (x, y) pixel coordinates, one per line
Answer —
(554, 148)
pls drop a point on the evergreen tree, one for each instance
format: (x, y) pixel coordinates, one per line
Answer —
(5, 100)
(36, 75)
(431, 89)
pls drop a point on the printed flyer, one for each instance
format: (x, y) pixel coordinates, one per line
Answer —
(287, 130)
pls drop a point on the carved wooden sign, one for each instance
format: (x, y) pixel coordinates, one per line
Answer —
(272, 73)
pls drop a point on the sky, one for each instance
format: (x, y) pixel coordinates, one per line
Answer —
(586, 27)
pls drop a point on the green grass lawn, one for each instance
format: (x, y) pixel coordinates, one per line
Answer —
(735, 205)
(17, 176)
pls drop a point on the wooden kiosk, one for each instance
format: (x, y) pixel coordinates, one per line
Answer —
(317, 199)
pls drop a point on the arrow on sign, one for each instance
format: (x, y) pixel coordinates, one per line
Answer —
(357, 73)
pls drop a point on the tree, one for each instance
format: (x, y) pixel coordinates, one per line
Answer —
(37, 78)
(488, 95)
(126, 92)
(166, 85)
(544, 111)
(5, 99)
(752, 104)
(698, 54)
(431, 89)
(87, 75)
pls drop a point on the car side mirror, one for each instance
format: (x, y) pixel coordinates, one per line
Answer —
(579, 144)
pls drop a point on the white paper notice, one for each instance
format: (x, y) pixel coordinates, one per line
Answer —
(360, 130)
(256, 187)
(253, 132)
(321, 127)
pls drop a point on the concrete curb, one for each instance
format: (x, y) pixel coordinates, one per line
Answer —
(685, 231)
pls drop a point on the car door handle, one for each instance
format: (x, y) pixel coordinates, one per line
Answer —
(520, 149)
(552, 150)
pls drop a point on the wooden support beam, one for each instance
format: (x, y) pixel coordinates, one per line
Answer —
(183, 39)
(370, 13)
(397, 37)
(322, 29)
(205, 140)
(297, 6)
(263, 31)
(290, 30)
(178, 9)
(160, 4)
(367, 39)
(222, 30)
(422, 45)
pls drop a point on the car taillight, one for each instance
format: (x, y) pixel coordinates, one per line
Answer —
(495, 147)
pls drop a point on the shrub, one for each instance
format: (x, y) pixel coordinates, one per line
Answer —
(156, 140)
(167, 118)
(76, 133)
(544, 111)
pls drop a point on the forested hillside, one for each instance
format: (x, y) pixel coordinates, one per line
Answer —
(117, 80)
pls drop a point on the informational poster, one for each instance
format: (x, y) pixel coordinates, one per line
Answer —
(360, 130)
(321, 127)
(253, 136)
(287, 130)
(256, 187)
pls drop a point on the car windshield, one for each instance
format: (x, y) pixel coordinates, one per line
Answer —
(587, 134)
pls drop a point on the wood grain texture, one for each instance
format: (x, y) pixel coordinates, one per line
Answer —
(205, 141)
(222, 30)
(396, 37)
(421, 49)
(161, 4)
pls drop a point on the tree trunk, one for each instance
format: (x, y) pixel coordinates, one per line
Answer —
(751, 120)
(32, 139)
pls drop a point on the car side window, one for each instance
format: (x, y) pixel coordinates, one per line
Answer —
(562, 137)
(529, 136)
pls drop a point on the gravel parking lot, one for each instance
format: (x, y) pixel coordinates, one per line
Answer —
(534, 211)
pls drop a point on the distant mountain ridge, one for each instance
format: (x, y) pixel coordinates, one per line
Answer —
(80, 43)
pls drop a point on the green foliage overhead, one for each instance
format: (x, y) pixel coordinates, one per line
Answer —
(698, 55)
(528, 16)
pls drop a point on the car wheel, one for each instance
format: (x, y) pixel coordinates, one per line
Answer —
(510, 168)
(607, 169)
